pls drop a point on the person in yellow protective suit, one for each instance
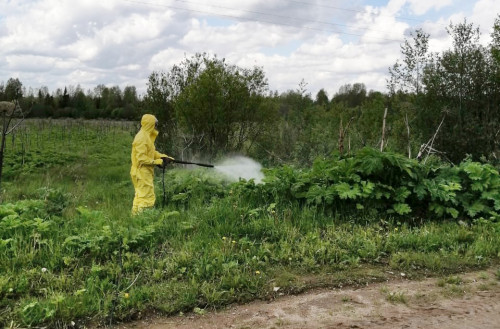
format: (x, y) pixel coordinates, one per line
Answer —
(144, 159)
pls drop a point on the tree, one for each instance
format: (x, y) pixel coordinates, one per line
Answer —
(209, 105)
(98, 91)
(2, 91)
(495, 42)
(459, 85)
(13, 89)
(8, 111)
(81, 104)
(224, 104)
(115, 98)
(65, 99)
(130, 102)
(407, 76)
(495, 79)
(130, 95)
(104, 105)
(159, 101)
(322, 98)
(368, 124)
(351, 95)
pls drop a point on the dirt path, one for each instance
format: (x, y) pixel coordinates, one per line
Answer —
(469, 300)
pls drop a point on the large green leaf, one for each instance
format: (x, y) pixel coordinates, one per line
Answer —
(401, 208)
(474, 170)
(401, 194)
(452, 211)
(346, 191)
(475, 208)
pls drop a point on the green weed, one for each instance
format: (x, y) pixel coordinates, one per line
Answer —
(454, 291)
(395, 296)
(484, 276)
(450, 280)
(346, 299)
(483, 287)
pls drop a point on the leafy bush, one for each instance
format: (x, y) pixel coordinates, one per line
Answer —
(181, 188)
(373, 182)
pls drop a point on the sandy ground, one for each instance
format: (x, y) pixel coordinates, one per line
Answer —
(471, 302)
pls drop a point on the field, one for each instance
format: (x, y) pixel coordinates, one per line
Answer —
(72, 255)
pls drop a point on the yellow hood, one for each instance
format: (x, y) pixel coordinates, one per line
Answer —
(148, 122)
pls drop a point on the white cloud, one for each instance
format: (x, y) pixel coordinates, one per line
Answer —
(246, 36)
(120, 42)
(484, 15)
(381, 24)
(420, 7)
(82, 76)
(31, 63)
(166, 58)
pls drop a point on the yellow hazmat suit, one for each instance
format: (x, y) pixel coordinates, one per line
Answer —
(144, 159)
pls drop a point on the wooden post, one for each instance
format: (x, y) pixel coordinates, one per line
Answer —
(408, 131)
(383, 131)
(349, 146)
(432, 140)
(341, 138)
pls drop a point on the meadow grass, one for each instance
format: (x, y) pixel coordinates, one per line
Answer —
(71, 251)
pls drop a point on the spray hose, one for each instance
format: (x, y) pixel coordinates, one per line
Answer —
(163, 185)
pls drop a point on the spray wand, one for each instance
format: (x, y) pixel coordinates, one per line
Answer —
(193, 163)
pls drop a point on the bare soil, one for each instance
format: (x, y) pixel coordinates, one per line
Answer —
(470, 300)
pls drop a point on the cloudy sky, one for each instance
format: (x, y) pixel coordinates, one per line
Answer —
(326, 43)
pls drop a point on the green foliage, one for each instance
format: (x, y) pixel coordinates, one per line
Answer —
(70, 250)
(351, 95)
(210, 105)
(185, 187)
(224, 104)
(207, 106)
(387, 183)
(215, 252)
(459, 85)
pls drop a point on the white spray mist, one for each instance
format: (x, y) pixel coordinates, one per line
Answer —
(240, 167)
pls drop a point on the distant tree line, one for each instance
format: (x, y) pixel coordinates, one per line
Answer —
(73, 102)
(446, 104)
